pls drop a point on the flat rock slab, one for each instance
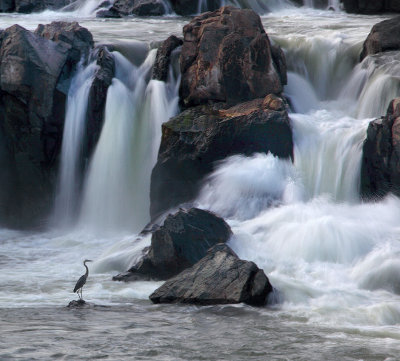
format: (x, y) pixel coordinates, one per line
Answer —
(219, 278)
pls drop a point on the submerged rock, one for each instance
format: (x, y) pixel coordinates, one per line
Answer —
(198, 137)
(179, 243)
(227, 57)
(219, 278)
(78, 304)
(384, 36)
(380, 172)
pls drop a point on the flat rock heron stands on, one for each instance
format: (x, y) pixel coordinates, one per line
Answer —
(82, 280)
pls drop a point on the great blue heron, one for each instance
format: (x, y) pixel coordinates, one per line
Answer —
(82, 280)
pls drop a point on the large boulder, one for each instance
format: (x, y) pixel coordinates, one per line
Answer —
(384, 36)
(32, 111)
(182, 241)
(194, 140)
(163, 57)
(226, 56)
(370, 6)
(380, 172)
(219, 278)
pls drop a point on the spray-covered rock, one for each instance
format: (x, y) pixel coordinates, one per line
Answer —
(219, 278)
(226, 56)
(380, 171)
(384, 36)
(179, 243)
(196, 139)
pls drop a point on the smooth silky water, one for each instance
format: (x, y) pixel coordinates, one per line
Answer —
(334, 259)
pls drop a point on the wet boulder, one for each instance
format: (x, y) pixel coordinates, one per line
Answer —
(179, 243)
(163, 57)
(139, 7)
(194, 140)
(190, 7)
(32, 111)
(219, 278)
(380, 172)
(384, 36)
(97, 96)
(370, 6)
(226, 57)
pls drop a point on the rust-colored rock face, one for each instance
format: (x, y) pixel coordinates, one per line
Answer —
(226, 56)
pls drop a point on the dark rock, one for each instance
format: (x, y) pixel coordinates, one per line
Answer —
(182, 241)
(371, 6)
(98, 96)
(163, 58)
(139, 7)
(78, 304)
(111, 13)
(198, 137)
(7, 6)
(29, 6)
(219, 278)
(190, 7)
(380, 172)
(226, 56)
(31, 118)
(384, 36)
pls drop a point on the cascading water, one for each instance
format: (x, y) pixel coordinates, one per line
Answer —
(117, 188)
(72, 145)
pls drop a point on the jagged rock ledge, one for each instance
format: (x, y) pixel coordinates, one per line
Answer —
(219, 278)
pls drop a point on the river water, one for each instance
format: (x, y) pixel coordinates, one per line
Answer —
(334, 259)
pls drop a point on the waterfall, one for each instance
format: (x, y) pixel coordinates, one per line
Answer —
(116, 192)
(72, 145)
(373, 84)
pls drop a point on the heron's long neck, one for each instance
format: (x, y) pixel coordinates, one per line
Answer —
(87, 269)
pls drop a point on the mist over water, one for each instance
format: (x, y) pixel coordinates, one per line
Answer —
(333, 258)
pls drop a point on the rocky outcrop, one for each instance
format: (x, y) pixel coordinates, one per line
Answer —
(370, 6)
(32, 108)
(136, 7)
(97, 97)
(29, 6)
(198, 137)
(182, 241)
(226, 57)
(190, 7)
(219, 278)
(163, 57)
(384, 36)
(380, 171)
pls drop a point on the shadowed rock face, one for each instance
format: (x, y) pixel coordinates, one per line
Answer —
(198, 137)
(219, 278)
(179, 243)
(190, 7)
(371, 6)
(29, 6)
(32, 109)
(137, 7)
(384, 36)
(380, 172)
(226, 57)
(163, 57)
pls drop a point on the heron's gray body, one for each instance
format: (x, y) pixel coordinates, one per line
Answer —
(82, 280)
